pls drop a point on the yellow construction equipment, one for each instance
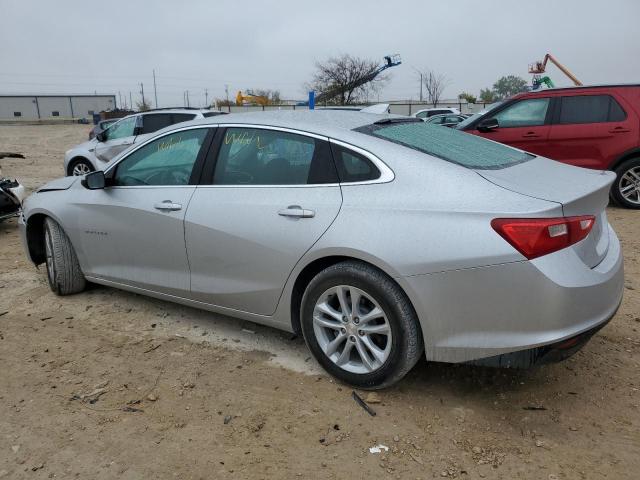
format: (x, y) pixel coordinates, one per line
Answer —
(538, 68)
(251, 99)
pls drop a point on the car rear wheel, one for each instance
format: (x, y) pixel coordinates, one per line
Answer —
(360, 325)
(80, 167)
(626, 189)
(63, 270)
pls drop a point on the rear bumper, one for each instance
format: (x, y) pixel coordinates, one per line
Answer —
(478, 313)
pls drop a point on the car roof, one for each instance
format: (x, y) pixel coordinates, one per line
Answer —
(329, 123)
(577, 87)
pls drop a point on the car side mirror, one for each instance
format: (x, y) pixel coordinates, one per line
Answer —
(488, 125)
(94, 180)
(101, 136)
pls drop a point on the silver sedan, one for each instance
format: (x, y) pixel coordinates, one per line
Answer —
(380, 238)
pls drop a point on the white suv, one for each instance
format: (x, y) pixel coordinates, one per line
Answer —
(430, 112)
(98, 152)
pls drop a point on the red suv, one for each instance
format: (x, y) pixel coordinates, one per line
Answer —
(592, 127)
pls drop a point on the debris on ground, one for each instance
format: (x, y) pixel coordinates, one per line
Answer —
(363, 404)
(378, 448)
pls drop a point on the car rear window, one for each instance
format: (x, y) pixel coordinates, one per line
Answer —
(448, 144)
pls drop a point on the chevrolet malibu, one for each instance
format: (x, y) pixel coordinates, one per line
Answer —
(381, 239)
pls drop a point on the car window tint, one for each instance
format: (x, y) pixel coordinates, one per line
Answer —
(353, 167)
(616, 112)
(525, 113)
(181, 117)
(153, 122)
(212, 114)
(167, 160)
(421, 114)
(584, 109)
(121, 129)
(453, 119)
(449, 144)
(269, 157)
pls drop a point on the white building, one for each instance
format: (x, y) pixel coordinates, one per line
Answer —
(34, 107)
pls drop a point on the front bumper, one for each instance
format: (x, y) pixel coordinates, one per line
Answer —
(11, 196)
(478, 313)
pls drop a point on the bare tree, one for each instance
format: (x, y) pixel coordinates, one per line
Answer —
(434, 83)
(346, 80)
(143, 105)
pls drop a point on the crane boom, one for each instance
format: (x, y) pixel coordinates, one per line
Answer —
(539, 67)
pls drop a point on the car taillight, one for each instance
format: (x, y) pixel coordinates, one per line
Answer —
(534, 237)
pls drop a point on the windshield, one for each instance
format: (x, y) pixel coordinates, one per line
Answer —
(472, 118)
(448, 144)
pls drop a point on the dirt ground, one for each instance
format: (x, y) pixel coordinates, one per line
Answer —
(109, 384)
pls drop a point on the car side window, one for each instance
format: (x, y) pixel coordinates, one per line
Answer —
(181, 117)
(353, 167)
(251, 156)
(590, 109)
(152, 122)
(422, 114)
(167, 160)
(530, 112)
(122, 128)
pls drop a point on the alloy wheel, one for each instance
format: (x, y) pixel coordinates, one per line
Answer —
(352, 329)
(629, 185)
(80, 169)
(48, 245)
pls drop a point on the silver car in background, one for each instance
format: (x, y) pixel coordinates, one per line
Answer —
(380, 238)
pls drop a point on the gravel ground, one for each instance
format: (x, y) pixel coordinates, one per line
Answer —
(109, 384)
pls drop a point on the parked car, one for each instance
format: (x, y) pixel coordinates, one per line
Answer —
(430, 112)
(11, 196)
(594, 127)
(101, 126)
(98, 152)
(445, 120)
(380, 238)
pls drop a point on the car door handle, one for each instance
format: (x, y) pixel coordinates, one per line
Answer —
(530, 135)
(296, 211)
(619, 130)
(167, 206)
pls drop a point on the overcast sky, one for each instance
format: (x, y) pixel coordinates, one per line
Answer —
(69, 46)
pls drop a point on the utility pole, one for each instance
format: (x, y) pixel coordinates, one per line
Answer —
(130, 101)
(226, 92)
(142, 92)
(421, 87)
(206, 98)
(188, 104)
(155, 92)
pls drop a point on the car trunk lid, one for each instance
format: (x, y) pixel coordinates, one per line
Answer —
(580, 192)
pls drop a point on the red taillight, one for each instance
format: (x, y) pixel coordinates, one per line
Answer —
(534, 237)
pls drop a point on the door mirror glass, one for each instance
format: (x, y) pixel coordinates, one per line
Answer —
(488, 125)
(94, 180)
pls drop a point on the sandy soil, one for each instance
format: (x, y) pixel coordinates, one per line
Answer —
(108, 384)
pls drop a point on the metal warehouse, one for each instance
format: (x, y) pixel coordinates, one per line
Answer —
(34, 107)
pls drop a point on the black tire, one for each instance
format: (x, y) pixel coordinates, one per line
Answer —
(63, 270)
(621, 170)
(406, 345)
(82, 163)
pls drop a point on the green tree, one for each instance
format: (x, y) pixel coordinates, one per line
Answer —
(467, 97)
(508, 86)
(488, 96)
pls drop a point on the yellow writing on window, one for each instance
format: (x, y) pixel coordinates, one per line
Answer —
(243, 138)
(169, 144)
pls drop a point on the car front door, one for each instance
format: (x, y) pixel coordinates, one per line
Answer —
(523, 124)
(134, 228)
(272, 194)
(118, 137)
(591, 131)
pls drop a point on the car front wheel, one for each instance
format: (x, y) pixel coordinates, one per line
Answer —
(626, 189)
(80, 167)
(63, 270)
(360, 325)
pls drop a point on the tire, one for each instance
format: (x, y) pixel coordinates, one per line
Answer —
(401, 347)
(626, 189)
(63, 270)
(79, 166)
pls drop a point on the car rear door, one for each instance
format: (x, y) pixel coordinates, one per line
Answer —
(133, 230)
(592, 130)
(269, 195)
(523, 124)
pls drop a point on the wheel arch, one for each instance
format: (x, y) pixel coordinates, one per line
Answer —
(628, 155)
(75, 160)
(34, 237)
(319, 263)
